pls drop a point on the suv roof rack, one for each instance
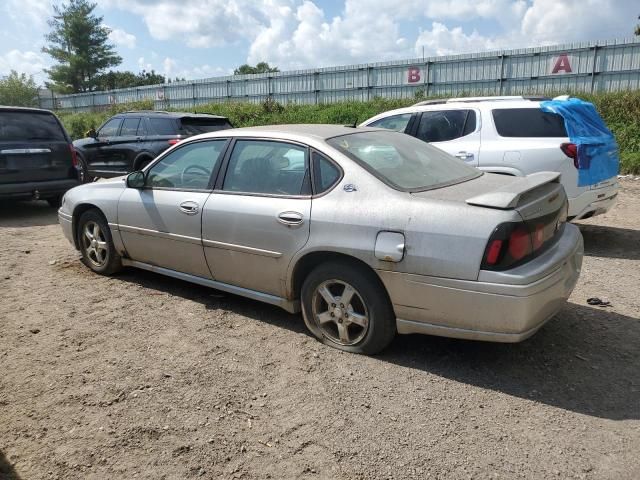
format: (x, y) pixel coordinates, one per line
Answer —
(533, 98)
(147, 111)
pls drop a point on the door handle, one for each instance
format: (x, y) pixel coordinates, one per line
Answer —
(189, 207)
(290, 218)
(464, 155)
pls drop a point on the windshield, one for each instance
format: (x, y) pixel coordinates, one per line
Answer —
(402, 161)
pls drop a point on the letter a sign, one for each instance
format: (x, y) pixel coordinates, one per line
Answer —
(561, 64)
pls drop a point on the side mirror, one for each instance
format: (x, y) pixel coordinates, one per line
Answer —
(135, 180)
(92, 133)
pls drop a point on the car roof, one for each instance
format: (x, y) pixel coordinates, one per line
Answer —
(8, 108)
(164, 114)
(311, 130)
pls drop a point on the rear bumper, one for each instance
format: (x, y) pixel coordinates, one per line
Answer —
(488, 310)
(35, 190)
(593, 202)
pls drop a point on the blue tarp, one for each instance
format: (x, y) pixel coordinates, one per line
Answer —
(598, 158)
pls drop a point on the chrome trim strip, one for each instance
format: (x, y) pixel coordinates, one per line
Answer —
(114, 226)
(65, 216)
(22, 151)
(156, 233)
(291, 306)
(241, 248)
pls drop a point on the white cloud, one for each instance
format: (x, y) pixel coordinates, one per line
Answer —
(33, 13)
(121, 38)
(296, 34)
(168, 66)
(30, 63)
(441, 40)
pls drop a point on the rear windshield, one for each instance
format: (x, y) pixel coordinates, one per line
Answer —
(528, 122)
(29, 126)
(403, 162)
(194, 126)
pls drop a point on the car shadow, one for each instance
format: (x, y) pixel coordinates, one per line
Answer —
(611, 242)
(585, 360)
(27, 214)
(7, 472)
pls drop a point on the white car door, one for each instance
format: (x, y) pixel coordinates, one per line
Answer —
(454, 130)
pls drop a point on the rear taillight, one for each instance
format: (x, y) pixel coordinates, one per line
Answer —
(571, 151)
(74, 155)
(514, 243)
(173, 141)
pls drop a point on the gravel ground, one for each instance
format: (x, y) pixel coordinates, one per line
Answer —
(142, 376)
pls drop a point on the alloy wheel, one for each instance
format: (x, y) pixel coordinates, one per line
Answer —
(339, 312)
(95, 244)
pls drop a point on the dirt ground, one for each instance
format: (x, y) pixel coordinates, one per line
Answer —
(142, 376)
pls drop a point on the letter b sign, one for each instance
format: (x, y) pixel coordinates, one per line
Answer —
(413, 75)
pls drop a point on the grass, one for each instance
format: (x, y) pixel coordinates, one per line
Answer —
(620, 110)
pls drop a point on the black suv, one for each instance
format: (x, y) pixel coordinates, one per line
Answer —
(37, 158)
(129, 141)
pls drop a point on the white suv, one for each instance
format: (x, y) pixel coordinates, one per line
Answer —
(506, 135)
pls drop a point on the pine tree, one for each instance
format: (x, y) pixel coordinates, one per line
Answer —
(80, 44)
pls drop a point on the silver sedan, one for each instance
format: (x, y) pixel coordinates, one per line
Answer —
(368, 232)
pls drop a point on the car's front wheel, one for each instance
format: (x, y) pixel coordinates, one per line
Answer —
(96, 244)
(345, 306)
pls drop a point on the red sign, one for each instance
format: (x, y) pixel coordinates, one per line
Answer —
(562, 64)
(413, 75)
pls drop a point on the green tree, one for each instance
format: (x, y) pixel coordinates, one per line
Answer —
(112, 79)
(80, 44)
(262, 67)
(18, 90)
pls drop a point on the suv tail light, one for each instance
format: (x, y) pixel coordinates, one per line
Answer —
(514, 243)
(74, 155)
(571, 151)
(173, 141)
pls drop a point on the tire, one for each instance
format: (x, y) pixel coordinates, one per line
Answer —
(141, 162)
(100, 256)
(368, 318)
(55, 202)
(83, 170)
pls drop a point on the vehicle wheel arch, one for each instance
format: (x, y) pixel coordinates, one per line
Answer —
(77, 213)
(310, 260)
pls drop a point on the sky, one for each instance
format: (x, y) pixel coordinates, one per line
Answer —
(208, 38)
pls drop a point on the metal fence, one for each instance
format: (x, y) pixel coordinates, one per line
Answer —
(579, 67)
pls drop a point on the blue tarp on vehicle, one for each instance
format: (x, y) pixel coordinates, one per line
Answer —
(598, 157)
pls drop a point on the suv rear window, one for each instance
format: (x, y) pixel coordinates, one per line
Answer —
(163, 126)
(194, 126)
(28, 126)
(528, 122)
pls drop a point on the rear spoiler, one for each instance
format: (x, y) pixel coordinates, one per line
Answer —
(508, 196)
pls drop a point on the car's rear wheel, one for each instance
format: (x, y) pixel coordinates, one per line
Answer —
(96, 244)
(346, 306)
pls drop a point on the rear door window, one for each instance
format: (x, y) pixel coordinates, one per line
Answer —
(397, 123)
(446, 125)
(110, 129)
(195, 126)
(528, 122)
(129, 127)
(163, 126)
(268, 167)
(29, 126)
(142, 128)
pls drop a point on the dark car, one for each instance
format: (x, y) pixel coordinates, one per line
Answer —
(37, 158)
(128, 141)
